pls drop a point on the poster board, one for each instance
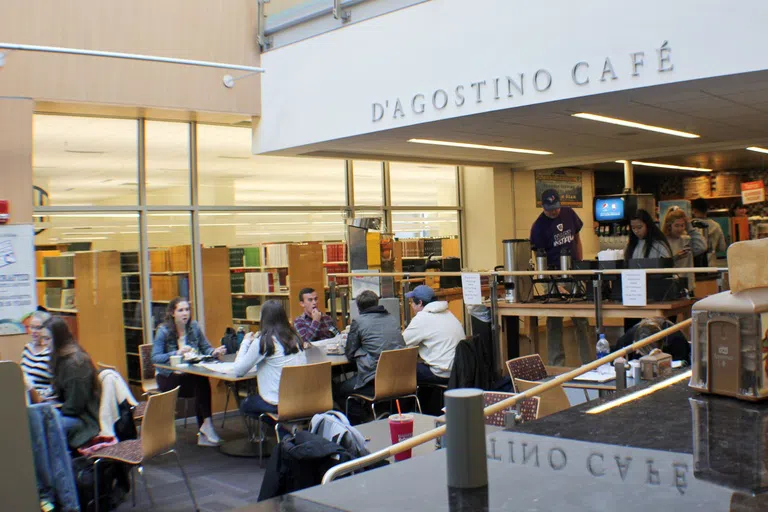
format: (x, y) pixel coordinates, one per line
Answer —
(752, 192)
(18, 293)
(567, 183)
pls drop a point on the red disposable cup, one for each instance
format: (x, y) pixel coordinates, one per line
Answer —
(400, 429)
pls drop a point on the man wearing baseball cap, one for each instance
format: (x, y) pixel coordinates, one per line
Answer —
(436, 332)
(558, 228)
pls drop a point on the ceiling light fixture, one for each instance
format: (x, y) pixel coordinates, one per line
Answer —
(757, 149)
(667, 166)
(479, 146)
(632, 124)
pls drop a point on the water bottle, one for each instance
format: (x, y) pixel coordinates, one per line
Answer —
(603, 348)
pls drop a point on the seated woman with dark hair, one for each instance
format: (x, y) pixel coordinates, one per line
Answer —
(277, 345)
(75, 383)
(180, 335)
(675, 344)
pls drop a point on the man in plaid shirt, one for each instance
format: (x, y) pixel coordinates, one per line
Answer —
(313, 325)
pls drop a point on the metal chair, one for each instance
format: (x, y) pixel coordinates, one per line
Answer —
(158, 437)
(395, 378)
(526, 410)
(305, 390)
(148, 381)
(551, 401)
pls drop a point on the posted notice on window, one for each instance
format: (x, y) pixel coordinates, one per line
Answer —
(471, 289)
(752, 192)
(633, 288)
(18, 298)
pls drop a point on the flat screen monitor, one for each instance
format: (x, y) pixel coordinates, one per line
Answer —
(609, 209)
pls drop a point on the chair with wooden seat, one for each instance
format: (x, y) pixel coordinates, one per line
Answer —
(149, 381)
(395, 378)
(158, 437)
(526, 410)
(305, 390)
(551, 401)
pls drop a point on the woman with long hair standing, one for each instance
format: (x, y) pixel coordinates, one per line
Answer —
(180, 335)
(75, 383)
(646, 239)
(275, 346)
(684, 241)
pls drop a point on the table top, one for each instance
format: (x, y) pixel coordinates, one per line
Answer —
(314, 355)
(377, 433)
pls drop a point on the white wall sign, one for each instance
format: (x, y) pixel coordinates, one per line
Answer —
(633, 288)
(361, 284)
(753, 192)
(17, 277)
(471, 289)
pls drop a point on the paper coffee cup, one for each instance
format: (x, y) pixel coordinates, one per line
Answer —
(175, 360)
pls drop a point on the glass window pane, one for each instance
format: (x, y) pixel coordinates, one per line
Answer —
(413, 184)
(230, 175)
(86, 161)
(425, 224)
(108, 275)
(169, 238)
(368, 183)
(167, 160)
(246, 228)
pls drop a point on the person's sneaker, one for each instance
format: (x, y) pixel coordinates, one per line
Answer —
(209, 432)
(204, 440)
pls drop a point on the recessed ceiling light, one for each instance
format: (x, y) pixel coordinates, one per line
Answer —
(666, 166)
(757, 149)
(632, 124)
(479, 146)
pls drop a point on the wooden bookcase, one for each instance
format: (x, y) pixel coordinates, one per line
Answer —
(96, 317)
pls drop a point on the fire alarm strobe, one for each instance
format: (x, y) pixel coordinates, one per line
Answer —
(4, 213)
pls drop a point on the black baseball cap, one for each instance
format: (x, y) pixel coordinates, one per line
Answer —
(550, 199)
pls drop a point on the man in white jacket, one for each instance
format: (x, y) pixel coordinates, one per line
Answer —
(436, 332)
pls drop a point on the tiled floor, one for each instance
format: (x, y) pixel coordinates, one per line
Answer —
(220, 482)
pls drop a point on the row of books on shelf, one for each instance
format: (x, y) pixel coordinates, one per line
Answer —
(276, 255)
(245, 257)
(171, 259)
(259, 282)
(60, 298)
(338, 269)
(166, 288)
(335, 252)
(423, 247)
(59, 266)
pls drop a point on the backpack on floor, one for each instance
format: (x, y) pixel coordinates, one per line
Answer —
(335, 427)
(114, 483)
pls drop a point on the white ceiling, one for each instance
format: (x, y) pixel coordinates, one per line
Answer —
(728, 112)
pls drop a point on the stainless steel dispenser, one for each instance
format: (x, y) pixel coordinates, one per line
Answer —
(517, 256)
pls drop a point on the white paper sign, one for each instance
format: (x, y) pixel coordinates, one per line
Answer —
(361, 284)
(470, 285)
(17, 277)
(633, 288)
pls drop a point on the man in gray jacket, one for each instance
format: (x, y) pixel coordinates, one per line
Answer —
(374, 331)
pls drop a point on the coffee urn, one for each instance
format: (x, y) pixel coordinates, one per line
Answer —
(517, 257)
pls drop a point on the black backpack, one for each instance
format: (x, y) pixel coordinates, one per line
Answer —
(114, 483)
(231, 341)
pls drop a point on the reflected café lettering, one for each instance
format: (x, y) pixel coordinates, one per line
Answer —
(581, 73)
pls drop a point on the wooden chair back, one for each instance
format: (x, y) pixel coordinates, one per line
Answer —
(527, 368)
(103, 366)
(148, 381)
(158, 429)
(305, 390)
(529, 409)
(396, 373)
(551, 401)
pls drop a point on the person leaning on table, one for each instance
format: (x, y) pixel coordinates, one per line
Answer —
(179, 335)
(277, 345)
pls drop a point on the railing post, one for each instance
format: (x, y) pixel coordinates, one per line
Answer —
(261, 25)
(332, 299)
(339, 13)
(406, 287)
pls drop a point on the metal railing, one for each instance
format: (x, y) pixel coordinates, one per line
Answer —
(363, 462)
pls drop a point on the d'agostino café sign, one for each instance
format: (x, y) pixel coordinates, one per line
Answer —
(510, 87)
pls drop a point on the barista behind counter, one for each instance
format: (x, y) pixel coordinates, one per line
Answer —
(558, 228)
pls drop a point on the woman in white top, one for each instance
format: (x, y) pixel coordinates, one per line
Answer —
(684, 241)
(277, 345)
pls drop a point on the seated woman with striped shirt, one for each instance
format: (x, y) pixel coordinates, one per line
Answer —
(35, 359)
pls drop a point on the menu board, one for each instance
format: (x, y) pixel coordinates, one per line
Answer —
(17, 277)
(567, 184)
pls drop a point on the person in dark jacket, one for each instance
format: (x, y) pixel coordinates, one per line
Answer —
(373, 332)
(180, 335)
(75, 383)
(675, 344)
